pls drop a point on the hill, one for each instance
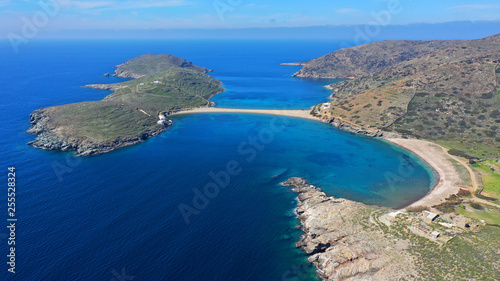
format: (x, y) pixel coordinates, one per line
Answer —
(446, 91)
(150, 64)
(130, 115)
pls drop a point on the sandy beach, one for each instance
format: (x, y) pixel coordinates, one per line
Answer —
(291, 113)
(435, 155)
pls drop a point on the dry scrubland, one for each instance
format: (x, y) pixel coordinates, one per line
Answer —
(445, 91)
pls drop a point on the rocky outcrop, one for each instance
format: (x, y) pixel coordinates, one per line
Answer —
(109, 87)
(346, 126)
(53, 137)
(343, 243)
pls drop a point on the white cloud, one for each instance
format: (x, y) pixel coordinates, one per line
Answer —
(127, 5)
(478, 7)
(151, 4)
(114, 5)
(91, 4)
(346, 11)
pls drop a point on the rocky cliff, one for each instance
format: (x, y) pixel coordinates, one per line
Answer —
(342, 242)
(347, 240)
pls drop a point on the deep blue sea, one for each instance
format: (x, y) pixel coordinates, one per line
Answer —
(118, 216)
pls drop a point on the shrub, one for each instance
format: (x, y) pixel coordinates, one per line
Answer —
(476, 206)
(486, 197)
(460, 153)
(449, 205)
(417, 209)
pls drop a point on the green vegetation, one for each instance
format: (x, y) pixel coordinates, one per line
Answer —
(168, 90)
(449, 205)
(470, 256)
(485, 148)
(417, 209)
(121, 114)
(101, 121)
(490, 215)
(152, 64)
(460, 153)
(490, 175)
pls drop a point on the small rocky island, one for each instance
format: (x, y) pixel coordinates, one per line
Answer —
(134, 112)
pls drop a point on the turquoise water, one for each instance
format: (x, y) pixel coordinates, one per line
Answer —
(90, 218)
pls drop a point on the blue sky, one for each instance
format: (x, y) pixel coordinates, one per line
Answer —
(230, 14)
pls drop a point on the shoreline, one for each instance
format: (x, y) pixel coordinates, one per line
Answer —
(304, 114)
(431, 153)
(439, 160)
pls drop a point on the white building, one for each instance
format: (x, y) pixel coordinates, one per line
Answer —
(429, 216)
(393, 215)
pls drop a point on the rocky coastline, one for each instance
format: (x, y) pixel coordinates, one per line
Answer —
(135, 111)
(109, 87)
(348, 127)
(51, 137)
(342, 242)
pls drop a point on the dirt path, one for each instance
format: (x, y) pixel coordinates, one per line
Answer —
(145, 112)
(475, 184)
(449, 178)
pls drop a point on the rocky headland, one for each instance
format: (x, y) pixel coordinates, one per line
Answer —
(348, 240)
(350, 127)
(340, 241)
(53, 137)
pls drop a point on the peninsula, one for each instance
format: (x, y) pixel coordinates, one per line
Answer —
(348, 240)
(135, 111)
